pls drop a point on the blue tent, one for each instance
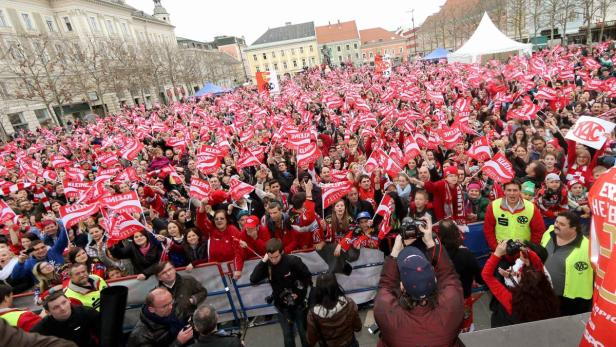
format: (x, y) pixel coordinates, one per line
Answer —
(439, 53)
(210, 89)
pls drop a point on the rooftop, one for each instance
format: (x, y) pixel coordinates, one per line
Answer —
(375, 35)
(287, 32)
(340, 31)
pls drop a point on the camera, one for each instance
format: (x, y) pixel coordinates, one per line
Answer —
(357, 232)
(513, 247)
(409, 228)
(285, 298)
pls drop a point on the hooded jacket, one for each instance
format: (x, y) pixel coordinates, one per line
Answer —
(336, 326)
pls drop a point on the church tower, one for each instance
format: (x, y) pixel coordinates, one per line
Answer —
(160, 12)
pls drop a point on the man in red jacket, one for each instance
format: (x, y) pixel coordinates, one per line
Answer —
(447, 196)
(420, 300)
(252, 243)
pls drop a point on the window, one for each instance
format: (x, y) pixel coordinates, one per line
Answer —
(264, 56)
(348, 47)
(3, 22)
(282, 53)
(303, 62)
(27, 21)
(42, 114)
(50, 25)
(355, 45)
(292, 51)
(258, 69)
(348, 57)
(267, 68)
(294, 63)
(275, 66)
(40, 50)
(301, 50)
(254, 57)
(273, 54)
(284, 65)
(340, 58)
(338, 48)
(363, 55)
(357, 55)
(371, 55)
(313, 60)
(67, 23)
(18, 121)
(60, 52)
(401, 50)
(94, 25)
(110, 28)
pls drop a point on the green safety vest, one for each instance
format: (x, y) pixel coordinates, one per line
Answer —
(512, 226)
(90, 299)
(578, 272)
(12, 317)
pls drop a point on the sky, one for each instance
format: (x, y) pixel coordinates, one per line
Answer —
(201, 20)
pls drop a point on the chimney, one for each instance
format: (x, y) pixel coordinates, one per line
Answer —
(287, 23)
(338, 21)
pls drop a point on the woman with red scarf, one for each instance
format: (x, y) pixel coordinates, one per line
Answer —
(448, 197)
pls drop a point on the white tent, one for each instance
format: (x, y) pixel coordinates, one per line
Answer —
(487, 39)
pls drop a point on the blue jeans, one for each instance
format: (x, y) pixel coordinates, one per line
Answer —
(291, 319)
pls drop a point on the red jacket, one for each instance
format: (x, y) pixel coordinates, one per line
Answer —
(438, 191)
(223, 245)
(26, 320)
(305, 224)
(502, 294)
(257, 245)
(420, 326)
(537, 226)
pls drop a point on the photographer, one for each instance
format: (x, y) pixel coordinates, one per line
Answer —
(420, 300)
(290, 279)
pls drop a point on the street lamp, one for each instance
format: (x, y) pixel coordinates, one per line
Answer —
(412, 12)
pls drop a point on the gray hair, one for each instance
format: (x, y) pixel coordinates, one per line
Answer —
(205, 319)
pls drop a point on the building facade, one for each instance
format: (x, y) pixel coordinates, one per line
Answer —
(288, 49)
(378, 41)
(341, 43)
(236, 48)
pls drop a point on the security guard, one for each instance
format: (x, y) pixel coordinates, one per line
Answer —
(569, 263)
(512, 218)
(204, 321)
(13, 316)
(84, 288)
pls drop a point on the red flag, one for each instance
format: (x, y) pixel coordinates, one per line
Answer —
(121, 226)
(75, 174)
(199, 188)
(384, 210)
(73, 214)
(298, 140)
(546, 93)
(176, 142)
(127, 202)
(50, 175)
(335, 191)
(247, 159)
(6, 213)
(58, 161)
(480, 149)
(208, 164)
(211, 151)
(75, 189)
(339, 175)
(130, 175)
(411, 148)
(131, 149)
(451, 136)
(238, 189)
(308, 154)
(499, 169)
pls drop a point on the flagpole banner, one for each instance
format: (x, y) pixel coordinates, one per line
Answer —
(601, 327)
(590, 131)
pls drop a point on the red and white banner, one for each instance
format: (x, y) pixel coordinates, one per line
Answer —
(211, 151)
(590, 131)
(208, 164)
(339, 175)
(308, 154)
(499, 169)
(131, 149)
(127, 202)
(384, 210)
(50, 175)
(546, 93)
(121, 226)
(6, 213)
(73, 214)
(411, 148)
(128, 175)
(480, 149)
(601, 327)
(75, 173)
(380, 159)
(247, 159)
(451, 137)
(296, 141)
(333, 192)
(58, 161)
(238, 189)
(199, 189)
(75, 189)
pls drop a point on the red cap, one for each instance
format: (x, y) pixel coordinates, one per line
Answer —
(450, 170)
(251, 222)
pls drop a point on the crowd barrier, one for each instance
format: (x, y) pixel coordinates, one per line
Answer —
(234, 299)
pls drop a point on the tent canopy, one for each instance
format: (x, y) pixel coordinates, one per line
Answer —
(439, 53)
(210, 89)
(487, 39)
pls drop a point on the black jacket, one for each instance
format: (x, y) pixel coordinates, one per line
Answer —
(82, 327)
(142, 264)
(184, 288)
(217, 340)
(150, 334)
(290, 273)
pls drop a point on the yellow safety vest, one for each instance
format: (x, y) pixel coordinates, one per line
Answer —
(512, 226)
(90, 299)
(578, 272)
(12, 317)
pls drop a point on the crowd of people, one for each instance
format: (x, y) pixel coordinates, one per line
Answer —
(341, 160)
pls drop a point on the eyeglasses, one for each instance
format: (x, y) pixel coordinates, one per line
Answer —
(220, 219)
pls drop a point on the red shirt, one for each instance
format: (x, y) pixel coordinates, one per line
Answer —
(257, 245)
(223, 245)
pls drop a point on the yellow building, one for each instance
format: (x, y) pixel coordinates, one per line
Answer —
(287, 49)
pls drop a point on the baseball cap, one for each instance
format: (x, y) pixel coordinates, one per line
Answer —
(363, 215)
(416, 273)
(450, 170)
(552, 177)
(251, 222)
(242, 213)
(528, 187)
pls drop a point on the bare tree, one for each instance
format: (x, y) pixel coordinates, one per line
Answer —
(37, 74)
(152, 56)
(552, 8)
(603, 7)
(517, 17)
(535, 11)
(170, 56)
(566, 7)
(590, 9)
